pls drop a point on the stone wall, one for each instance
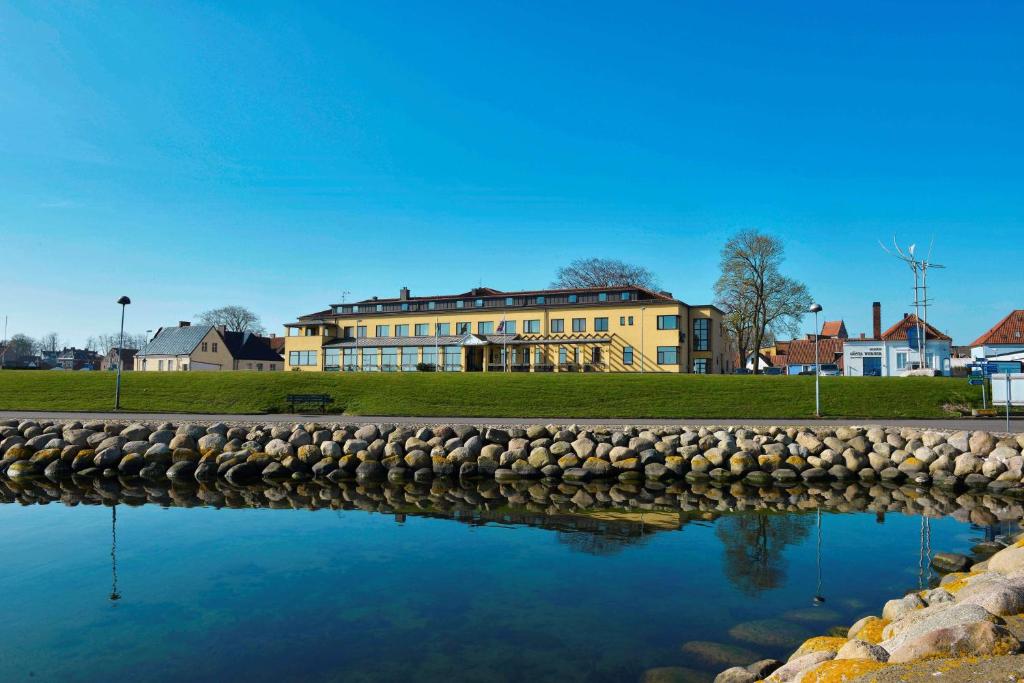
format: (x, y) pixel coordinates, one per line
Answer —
(757, 456)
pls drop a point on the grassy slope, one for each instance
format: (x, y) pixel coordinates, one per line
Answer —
(513, 395)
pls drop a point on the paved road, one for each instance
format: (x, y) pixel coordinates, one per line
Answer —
(1016, 425)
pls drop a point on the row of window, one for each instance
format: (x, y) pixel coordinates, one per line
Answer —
(556, 326)
(388, 357)
(537, 300)
(204, 345)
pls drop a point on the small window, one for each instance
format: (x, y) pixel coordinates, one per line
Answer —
(563, 355)
(629, 320)
(401, 330)
(509, 301)
(627, 355)
(531, 327)
(460, 304)
(361, 330)
(602, 296)
(579, 324)
(668, 355)
(431, 305)
(405, 306)
(382, 331)
(380, 308)
(508, 327)
(541, 299)
(572, 298)
(215, 347)
(484, 327)
(538, 356)
(600, 324)
(248, 366)
(557, 325)
(461, 328)
(479, 303)
(624, 296)
(668, 322)
(273, 366)
(421, 329)
(622, 321)
(205, 349)
(700, 366)
(443, 329)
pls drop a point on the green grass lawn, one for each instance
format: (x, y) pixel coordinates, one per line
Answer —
(491, 395)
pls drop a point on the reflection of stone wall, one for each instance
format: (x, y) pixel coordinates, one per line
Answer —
(758, 456)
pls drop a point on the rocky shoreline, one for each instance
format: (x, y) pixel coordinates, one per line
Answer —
(968, 628)
(763, 456)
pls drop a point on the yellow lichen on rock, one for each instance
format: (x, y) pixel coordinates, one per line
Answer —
(871, 632)
(819, 644)
(839, 671)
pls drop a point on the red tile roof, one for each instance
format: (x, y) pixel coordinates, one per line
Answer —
(834, 328)
(899, 330)
(801, 352)
(1009, 330)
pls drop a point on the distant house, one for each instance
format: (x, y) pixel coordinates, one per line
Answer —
(891, 353)
(109, 361)
(1005, 338)
(197, 348)
(797, 355)
(78, 359)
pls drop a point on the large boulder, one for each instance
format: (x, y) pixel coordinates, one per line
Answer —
(977, 639)
(212, 443)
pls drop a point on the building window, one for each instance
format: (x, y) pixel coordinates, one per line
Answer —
(700, 366)
(215, 347)
(170, 364)
(509, 301)
(479, 303)
(273, 366)
(602, 296)
(627, 355)
(405, 306)
(600, 324)
(541, 299)
(901, 361)
(453, 358)
(431, 305)
(421, 329)
(622, 321)
(701, 334)
(382, 331)
(579, 324)
(485, 327)
(595, 355)
(460, 304)
(401, 330)
(297, 358)
(576, 355)
(410, 356)
(624, 296)
(531, 327)
(259, 367)
(389, 359)
(204, 347)
(443, 329)
(461, 328)
(668, 355)
(563, 355)
(332, 360)
(668, 322)
(538, 356)
(370, 360)
(557, 325)
(159, 365)
(350, 360)
(430, 356)
(629, 320)
(573, 298)
(361, 330)
(507, 327)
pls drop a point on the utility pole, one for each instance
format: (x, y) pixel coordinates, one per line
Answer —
(920, 269)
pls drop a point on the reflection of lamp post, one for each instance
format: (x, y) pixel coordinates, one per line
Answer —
(114, 595)
(818, 597)
(124, 301)
(815, 309)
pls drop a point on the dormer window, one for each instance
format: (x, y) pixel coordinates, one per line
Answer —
(540, 299)
(380, 308)
(460, 304)
(509, 301)
(572, 298)
(431, 305)
(479, 303)
(603, 296)
(405, 306)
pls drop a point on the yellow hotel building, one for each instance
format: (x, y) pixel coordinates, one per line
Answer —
(614, 329)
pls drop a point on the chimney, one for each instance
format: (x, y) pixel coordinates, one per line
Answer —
(403, 294)
(184, 323)
(876, 320)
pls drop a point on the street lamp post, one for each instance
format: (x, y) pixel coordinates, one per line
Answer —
(124, 301)
(815, 309)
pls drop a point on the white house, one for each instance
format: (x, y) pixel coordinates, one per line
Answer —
(1005, 339)
(890, 353)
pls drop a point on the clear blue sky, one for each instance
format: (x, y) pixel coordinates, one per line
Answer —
(277, 154)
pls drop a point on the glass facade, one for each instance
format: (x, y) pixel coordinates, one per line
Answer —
(429, 356)
(370, 360)
(410, 357)
(350, 360)
(701, 334)
(453, 358)
(389, 359)
(332, 360)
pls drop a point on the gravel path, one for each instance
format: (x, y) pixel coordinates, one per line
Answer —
(1016, 425)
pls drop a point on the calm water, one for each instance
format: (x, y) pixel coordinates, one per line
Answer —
(482, 584)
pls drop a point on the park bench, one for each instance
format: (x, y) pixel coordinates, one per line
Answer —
(309, 400)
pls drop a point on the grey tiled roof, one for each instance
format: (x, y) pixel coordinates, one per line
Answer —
(175, 341)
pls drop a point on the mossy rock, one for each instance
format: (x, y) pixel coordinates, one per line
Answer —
(22, 469)
(44, 457)
(841, 670)
(18, 452)
(719, 654)
(131, 464)
(184, 455)
(819, 644)
(770, 633)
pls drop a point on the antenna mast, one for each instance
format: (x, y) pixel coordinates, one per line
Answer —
(920, 269)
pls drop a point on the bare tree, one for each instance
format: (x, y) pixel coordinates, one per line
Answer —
(600, 272)
(49, 342)
(102, 343)
(18, 346)
(758, 300)
(234, 318)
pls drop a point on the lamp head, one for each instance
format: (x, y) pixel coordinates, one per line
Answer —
(815, 308)
(124, 301)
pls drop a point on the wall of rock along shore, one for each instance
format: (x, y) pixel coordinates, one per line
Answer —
(758, 456)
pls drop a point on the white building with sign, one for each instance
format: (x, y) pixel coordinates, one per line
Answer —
(891, 353)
